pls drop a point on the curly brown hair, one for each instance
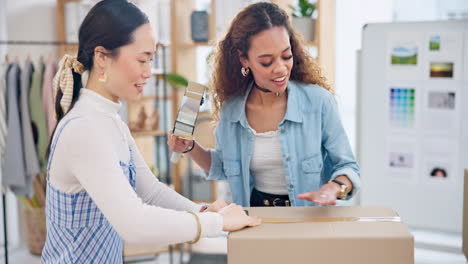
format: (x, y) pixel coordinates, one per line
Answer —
(227, 81)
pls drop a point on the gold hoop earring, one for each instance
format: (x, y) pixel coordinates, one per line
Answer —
(245, 71)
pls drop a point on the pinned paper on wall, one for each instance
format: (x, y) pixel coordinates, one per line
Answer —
(402, 107)
(441, 69)
(434, 43)
(402, 159)
(441, 100)
(440, 109)
(444, 43)
(438, 170)
(404, 56)
(439, 161)
(443, 55)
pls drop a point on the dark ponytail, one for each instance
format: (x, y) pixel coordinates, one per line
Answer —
(76, 93)
(110, 24)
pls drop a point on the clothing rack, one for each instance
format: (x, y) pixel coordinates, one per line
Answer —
(4, 188)
(33, 42)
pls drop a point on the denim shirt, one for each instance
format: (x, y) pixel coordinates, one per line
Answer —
(314, 145)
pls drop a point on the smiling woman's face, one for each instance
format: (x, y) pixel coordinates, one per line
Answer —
(129, 70)
(270, 59)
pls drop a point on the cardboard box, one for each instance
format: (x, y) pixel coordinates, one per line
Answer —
(465, 215)
(335, 239)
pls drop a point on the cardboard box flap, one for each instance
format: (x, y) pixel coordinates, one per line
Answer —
(325, 211)
(322, 230)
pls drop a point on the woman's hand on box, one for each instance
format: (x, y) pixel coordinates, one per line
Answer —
(235, 218)
(216, 206)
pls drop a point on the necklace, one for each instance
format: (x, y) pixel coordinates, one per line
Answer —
(265, 90)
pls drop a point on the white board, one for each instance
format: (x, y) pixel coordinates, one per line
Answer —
(413, 120)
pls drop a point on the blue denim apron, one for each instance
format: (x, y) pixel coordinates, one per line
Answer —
(77, 231)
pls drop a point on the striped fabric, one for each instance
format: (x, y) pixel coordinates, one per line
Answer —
(47, 95)
(3, 113)
(77, 231)
(63, 80)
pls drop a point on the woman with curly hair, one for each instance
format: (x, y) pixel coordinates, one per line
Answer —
(279, 139)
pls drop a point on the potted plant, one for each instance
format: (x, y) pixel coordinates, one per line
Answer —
(302, 20)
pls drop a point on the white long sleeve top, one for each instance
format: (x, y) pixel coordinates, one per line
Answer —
(86, 158)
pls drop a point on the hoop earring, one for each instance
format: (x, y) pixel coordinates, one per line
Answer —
(245, 71)
(102, 77)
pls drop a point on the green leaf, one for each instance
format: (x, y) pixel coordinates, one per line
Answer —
(176, 80)
(304, 9)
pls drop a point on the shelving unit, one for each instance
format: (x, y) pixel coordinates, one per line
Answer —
(183, 61)
(60, 16)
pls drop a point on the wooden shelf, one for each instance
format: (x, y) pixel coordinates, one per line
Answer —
(71, 49)
(157, 71)
(156, 133)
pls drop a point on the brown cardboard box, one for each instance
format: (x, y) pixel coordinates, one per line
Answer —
(465, 215)
(336, 241)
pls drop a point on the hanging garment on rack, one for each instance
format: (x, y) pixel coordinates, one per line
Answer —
(47, 96)
(38, 117)
(29, 148)
(3, 116)
(13, 172)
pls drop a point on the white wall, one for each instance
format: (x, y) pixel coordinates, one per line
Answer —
(3, 27)
(351, 16)
(31, 20)
(423, 10)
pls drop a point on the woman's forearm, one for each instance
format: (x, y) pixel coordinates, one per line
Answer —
(201, 156)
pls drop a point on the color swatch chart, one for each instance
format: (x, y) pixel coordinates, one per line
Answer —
(402, 107)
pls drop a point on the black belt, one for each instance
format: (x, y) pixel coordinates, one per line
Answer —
(259, 198)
